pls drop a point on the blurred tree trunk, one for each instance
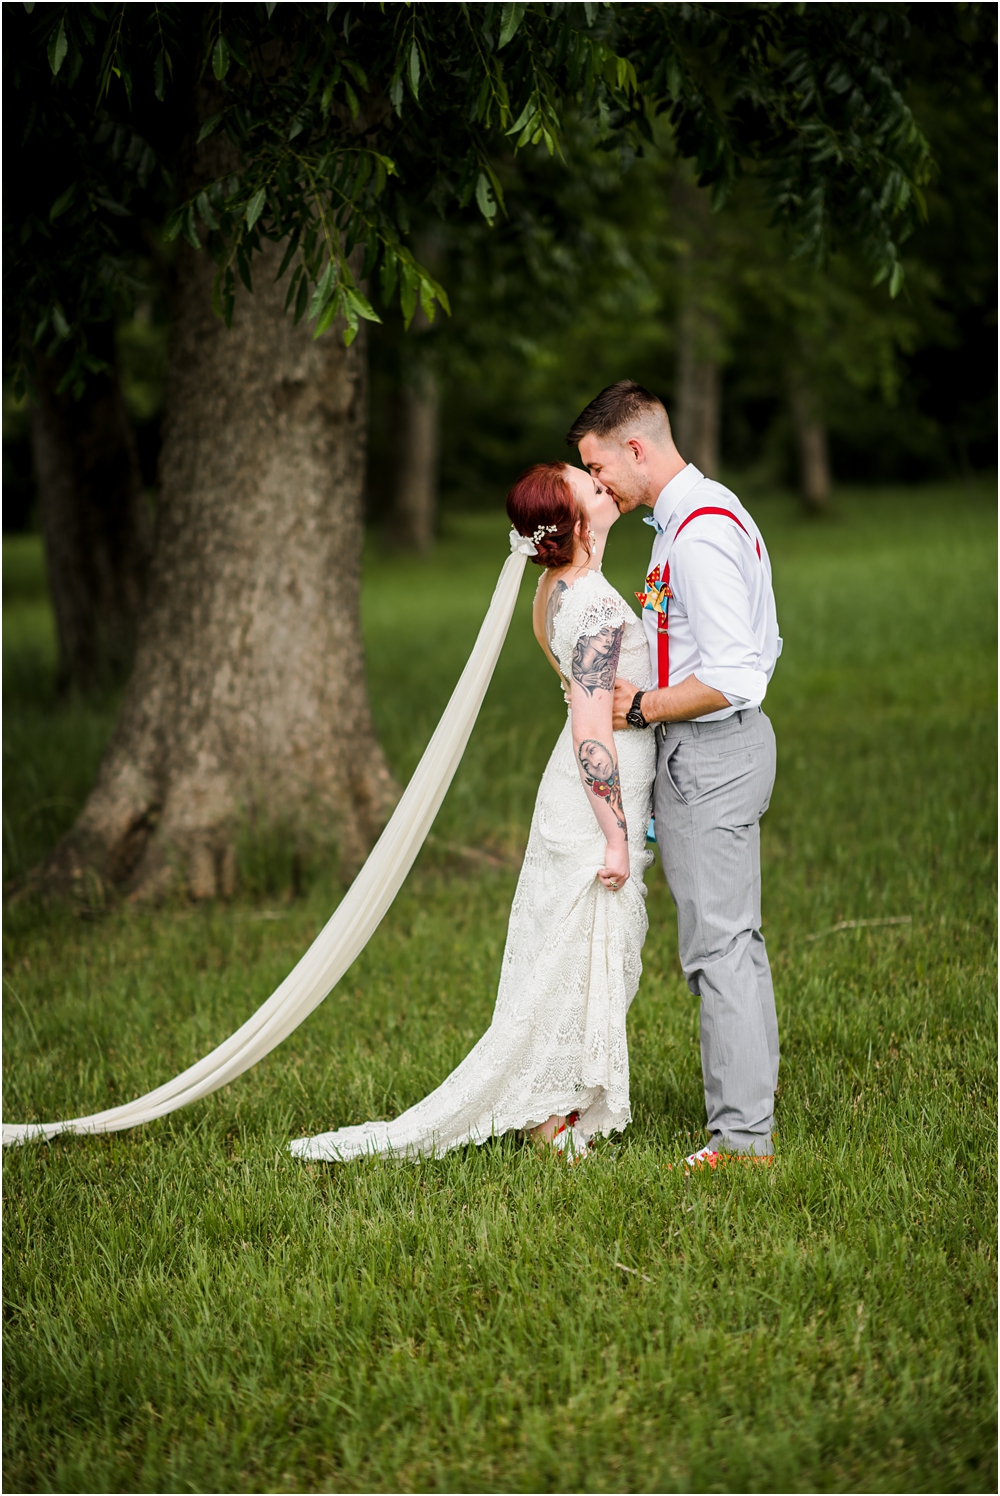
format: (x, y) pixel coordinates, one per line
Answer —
(813, 447)
(418, 413)
(698, 395)
(698, 390)
(248, 696)
(94, 524)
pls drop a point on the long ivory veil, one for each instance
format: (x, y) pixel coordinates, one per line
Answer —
(357, 916)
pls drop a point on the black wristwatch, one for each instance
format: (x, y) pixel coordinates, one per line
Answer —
(634, 716)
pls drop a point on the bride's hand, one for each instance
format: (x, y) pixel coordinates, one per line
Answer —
(615, 872)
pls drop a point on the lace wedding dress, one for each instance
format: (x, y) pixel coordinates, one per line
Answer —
(571, 965)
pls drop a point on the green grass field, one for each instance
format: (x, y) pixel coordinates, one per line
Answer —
(189, 1309)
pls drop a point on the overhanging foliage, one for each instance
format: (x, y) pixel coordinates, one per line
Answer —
(330, 125)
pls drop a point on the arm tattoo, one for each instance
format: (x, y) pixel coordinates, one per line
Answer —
(601, 774)
(595, 660)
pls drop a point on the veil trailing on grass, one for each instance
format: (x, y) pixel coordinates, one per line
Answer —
(357, 917)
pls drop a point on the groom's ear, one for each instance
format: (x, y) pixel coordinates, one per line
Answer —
(637, 448)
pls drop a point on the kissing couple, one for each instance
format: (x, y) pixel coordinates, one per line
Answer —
(664, 718)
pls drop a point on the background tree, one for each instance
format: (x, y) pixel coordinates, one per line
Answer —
(300, 141)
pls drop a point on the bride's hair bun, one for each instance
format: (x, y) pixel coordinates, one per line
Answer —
(542, 507)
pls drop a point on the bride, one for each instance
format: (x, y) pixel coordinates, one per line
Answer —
(554, 1060)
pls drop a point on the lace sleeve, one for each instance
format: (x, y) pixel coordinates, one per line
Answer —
(585, 610)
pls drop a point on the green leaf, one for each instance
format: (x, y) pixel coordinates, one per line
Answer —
(220, 58)
(350, 333)
(208, 218)
(243, 266)
(159, 83)
(29, 6)
(352, 100)
(361, 305)
(511, 18)
(322, 290)
(58, 47)
(301, 300)
(190, 227)
(113, 207)
(414, 68)
(357, 72)
(388, 275)
(173, 225)
(896, 280)
(293, 245)
(293, 285)
(328, 316)
(62, 202)
(527, 114)
(59, 321)
(269, 7)
(396, 93)
(207, 128)
(484, 197)
(255, 206)
(408, 292)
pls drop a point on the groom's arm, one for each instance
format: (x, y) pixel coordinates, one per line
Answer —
(679, 703)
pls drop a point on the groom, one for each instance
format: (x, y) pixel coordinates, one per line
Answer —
(709, 614)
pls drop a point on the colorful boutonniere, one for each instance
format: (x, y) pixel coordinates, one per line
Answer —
(656, 595)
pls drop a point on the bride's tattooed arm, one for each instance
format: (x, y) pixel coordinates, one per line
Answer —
(601, 774)
(595, 660)
(593, 668)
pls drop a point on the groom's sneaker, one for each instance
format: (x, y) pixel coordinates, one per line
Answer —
(712, 1158)
(705, 1158)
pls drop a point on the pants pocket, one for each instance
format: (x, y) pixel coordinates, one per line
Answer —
(678, 768)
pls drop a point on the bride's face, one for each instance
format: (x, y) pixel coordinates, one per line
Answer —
(600, 507)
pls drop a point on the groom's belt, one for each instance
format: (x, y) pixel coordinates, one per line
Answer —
(718, 728)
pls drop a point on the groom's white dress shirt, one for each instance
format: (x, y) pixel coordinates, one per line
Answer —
(723, 623)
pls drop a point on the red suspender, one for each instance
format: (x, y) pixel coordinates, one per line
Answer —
(728, 514)
(662, 619)
(663, 637)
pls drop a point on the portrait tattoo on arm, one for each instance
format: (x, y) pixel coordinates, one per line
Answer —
(601, 773)
(595, 660)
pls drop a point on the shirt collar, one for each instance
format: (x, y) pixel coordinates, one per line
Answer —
(677, 489)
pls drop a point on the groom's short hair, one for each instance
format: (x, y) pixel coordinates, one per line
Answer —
(621, 407)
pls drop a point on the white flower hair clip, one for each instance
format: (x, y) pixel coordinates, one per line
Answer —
(526, 546)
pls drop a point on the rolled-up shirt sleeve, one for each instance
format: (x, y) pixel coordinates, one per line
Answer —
(709, 581)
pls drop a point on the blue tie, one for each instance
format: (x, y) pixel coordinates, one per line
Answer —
(650, 519)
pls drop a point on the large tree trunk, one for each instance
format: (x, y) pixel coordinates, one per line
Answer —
(418, 410)
(697, 396)
(697, 406)
(811, 438)
(248, 697)
(94, 524)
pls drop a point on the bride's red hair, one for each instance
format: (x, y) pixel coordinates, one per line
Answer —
(542, 497)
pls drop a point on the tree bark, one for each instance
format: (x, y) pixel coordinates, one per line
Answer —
(698, 402)
(411, 525)
(811, 438)
(94, 525)
(248, 697)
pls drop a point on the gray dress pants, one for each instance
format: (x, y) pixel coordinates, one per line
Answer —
(713, 784)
